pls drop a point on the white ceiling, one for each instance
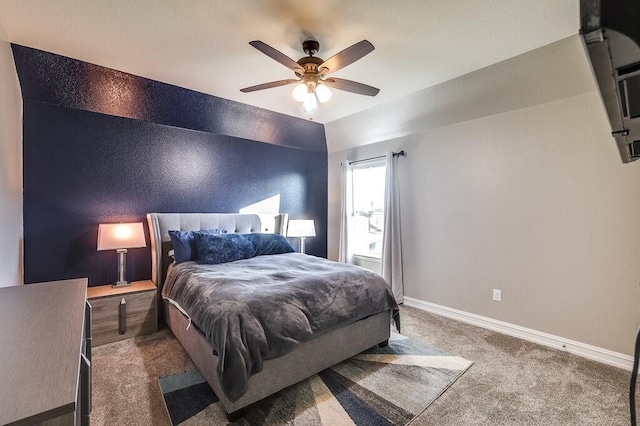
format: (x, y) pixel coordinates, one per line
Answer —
(203, 44)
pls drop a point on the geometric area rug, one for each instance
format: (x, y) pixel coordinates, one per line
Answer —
(380, 386)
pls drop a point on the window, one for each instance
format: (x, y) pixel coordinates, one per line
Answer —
(368, 208)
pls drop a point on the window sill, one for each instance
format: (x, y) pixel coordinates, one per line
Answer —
(369, 257)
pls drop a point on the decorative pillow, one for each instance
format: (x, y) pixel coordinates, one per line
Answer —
(223, 248)
(269, 244)
(184, 245)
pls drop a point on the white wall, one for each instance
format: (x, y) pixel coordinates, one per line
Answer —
(10, 168)
(534, 201)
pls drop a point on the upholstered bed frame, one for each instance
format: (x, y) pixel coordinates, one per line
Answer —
(307, 359)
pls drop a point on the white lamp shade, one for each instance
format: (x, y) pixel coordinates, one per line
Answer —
(323, 93)
(300, 92)
(113, 236)
(301, 228)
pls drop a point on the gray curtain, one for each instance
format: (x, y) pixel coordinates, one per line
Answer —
(392, 237)
(346, 213)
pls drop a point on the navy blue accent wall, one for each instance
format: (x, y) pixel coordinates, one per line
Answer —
(89, 161)
(58, 80)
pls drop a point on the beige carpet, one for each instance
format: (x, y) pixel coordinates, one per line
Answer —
(512, 382)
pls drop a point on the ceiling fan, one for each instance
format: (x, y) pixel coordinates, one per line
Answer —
(312, 82)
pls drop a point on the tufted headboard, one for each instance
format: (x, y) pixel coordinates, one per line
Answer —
(161, 223)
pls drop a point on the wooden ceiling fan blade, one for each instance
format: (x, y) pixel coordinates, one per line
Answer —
(277, 56)
(269, 85)
(351, 86)
(347, 56)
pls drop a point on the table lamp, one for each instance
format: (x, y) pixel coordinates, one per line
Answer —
(120, 237)
(301, 229)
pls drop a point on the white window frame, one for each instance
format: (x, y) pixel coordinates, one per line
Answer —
(377, 162)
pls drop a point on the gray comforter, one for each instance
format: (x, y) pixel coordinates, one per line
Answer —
(260, 308)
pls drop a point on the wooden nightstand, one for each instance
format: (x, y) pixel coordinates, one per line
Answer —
(139, 312)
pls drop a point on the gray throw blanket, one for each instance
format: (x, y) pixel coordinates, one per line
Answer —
(261, 308)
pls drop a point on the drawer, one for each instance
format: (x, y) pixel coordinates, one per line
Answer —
(140, 316)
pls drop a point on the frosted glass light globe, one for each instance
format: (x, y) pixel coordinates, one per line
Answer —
(300, 92)
(323, 93)
(310, 103)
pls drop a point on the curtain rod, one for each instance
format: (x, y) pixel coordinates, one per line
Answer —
(395, 154)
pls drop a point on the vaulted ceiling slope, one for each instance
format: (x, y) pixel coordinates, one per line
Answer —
(556, 71)
(203, 44)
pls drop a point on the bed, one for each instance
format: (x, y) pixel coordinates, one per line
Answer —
(307, 358)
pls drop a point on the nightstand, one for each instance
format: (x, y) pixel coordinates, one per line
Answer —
(123, 312)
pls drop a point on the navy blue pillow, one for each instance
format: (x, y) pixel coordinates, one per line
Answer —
(184, 244)
(269, 244)
(214, 249)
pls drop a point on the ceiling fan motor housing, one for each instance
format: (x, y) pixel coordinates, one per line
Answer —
(310, 65)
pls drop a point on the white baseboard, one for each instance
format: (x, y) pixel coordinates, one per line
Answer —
(595, 353)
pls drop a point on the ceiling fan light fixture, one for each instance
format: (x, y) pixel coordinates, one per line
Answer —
(299, 92)
(311, 71)
(310, 103)
(323, 93)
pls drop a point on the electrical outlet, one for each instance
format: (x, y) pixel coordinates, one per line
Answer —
(497, 295)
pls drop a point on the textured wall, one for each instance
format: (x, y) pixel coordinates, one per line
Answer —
(533, 201)
(113, 147)
(10, 169)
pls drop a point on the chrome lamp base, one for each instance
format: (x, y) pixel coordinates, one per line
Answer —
(122, 269)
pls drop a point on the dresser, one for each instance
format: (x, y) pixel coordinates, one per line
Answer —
(45, 354)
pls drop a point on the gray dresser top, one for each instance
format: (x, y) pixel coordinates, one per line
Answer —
(41, 331)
